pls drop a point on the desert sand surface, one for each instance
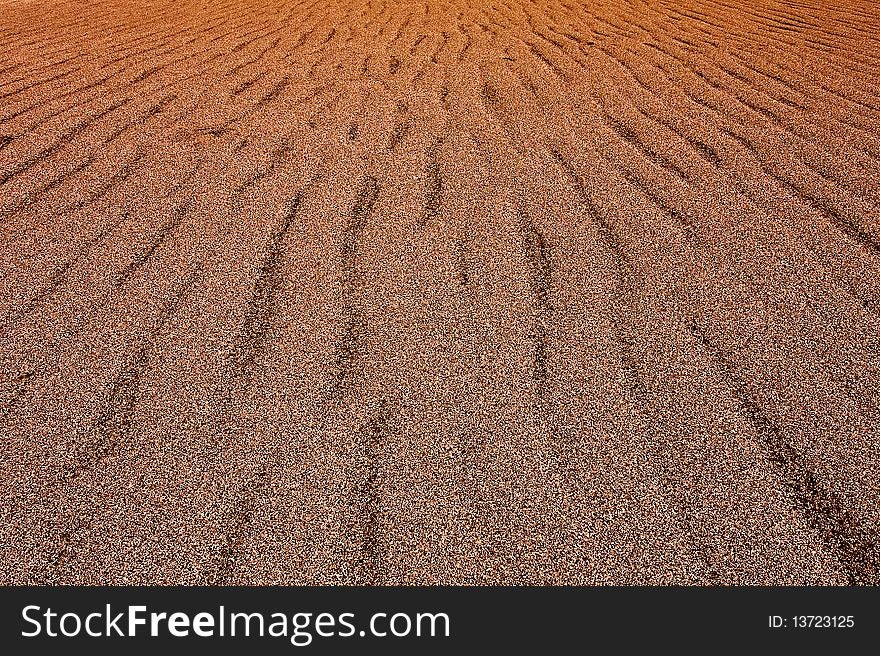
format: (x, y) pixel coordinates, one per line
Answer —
(390, 292)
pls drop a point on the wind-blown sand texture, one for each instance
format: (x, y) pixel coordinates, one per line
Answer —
(377, 292)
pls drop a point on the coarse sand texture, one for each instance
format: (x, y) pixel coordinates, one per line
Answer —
(447, 291)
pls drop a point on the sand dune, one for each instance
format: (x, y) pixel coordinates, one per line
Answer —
(379, 292)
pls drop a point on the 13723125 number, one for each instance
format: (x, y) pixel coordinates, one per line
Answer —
(822, 621)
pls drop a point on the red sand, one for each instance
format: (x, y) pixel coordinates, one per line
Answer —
(449, 292)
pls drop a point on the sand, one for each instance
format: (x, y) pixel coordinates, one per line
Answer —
(390, 292)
